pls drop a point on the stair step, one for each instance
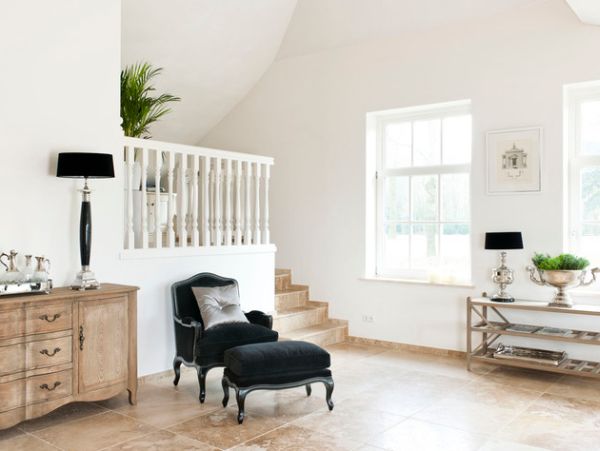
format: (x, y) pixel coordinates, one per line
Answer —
(291, 297)
(327, 333)
(283, 279)
(299, 317)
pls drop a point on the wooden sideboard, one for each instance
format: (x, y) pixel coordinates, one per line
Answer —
(64, 347)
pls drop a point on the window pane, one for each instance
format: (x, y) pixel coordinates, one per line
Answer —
(590, 194)
(424, 250)
(427, 142)
(397, 145)
(396, 198)
(395, 246)
(455, 197)
(424, 197)
(456, 145)
(590, 128)
(455, 245)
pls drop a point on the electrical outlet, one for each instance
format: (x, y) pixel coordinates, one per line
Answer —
(367, 318)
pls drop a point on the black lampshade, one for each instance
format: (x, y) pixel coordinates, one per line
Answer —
(503, 240)
(85, 164)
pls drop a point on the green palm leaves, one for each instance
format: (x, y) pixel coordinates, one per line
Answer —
(138, 108)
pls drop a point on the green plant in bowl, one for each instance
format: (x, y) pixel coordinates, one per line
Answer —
(562, 262)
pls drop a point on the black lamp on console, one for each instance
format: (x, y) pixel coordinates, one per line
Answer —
(503, 275)
(86, 166)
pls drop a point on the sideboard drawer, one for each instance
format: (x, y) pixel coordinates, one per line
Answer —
(11, 323)
(12, 359)
(12, 394)
(49, 318)
(49, 352)
(49, 386)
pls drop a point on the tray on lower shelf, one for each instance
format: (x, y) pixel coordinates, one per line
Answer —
(537, 356)
(527, 330)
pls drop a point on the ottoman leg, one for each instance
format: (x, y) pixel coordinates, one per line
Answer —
(308, 390)
(177, 368)
(329, 392)
(225, 385)
(240, 395)
(202, 382)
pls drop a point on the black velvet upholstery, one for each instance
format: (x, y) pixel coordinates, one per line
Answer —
(218, 339)
(204, 349)
(285, 357)
(274, 379)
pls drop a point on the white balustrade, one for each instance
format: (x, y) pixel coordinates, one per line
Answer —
(200, 198)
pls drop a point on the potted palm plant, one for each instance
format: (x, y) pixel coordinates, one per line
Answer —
(139, 108)
(561, 272)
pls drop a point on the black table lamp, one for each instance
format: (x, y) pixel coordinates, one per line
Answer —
(503, 275)
(87, 166)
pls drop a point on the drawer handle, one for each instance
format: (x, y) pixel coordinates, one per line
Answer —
(46, 387)
(46, 352)
(81, 338)
(47, 318)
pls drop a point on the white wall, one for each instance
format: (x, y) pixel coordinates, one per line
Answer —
(59, 86)
(309, 113)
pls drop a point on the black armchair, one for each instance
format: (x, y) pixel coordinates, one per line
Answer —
(204, 349)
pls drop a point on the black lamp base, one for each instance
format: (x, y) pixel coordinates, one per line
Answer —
(499, 299)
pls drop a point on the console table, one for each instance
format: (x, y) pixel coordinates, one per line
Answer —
(64, 347)
(479, 321)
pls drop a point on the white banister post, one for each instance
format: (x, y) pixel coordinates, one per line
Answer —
(227, 183)
(205, 212)
(266, 235)
(129, 158)
(157, 200)
(171, 200)
(238, 203)
(257, 235)
(195, 232)
(247, 204)
(182, 213)
(217, 202)
(144, 165)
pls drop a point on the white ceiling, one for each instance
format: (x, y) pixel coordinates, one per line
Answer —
(212, 51)
(322, 24)
(588, 11)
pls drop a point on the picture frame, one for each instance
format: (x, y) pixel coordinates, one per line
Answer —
(514, 160)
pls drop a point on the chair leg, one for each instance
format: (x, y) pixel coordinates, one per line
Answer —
(308, 389)
(240, 395)
(202, 382)
(225, 392)
(328, 393)
(177, 368)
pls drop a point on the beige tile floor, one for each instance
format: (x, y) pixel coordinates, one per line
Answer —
(385, 400)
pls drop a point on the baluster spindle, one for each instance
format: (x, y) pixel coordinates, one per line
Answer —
(144, 166)
(247, 204)
(205, 211)
(227, 194)
(238, 203)
(129, 158)
(157, 200)
(182, 213)
(195, 197)
(257, 235)
(217, 203)
(266, 234)
(171, 200)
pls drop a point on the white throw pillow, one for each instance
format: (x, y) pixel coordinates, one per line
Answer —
(219, 305)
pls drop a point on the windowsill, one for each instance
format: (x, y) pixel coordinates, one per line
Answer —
(417, 282)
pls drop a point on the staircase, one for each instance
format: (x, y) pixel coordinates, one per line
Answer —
(298, 318)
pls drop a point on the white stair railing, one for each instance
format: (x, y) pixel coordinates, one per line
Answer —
(179, 196)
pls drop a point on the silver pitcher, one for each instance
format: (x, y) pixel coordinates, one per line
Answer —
(11, 275)
(562, 280)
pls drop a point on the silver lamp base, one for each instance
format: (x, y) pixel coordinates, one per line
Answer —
(85, 280)
(503, 276)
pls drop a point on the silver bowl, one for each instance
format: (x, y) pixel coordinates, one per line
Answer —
(562, 280)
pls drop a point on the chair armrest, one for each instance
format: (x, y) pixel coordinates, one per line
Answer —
(260, 318)
(187, 332)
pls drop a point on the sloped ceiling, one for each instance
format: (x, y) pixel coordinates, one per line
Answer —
(321, 24)
(588, 11)
(212, 51)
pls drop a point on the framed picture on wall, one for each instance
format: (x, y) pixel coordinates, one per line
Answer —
(514, 161)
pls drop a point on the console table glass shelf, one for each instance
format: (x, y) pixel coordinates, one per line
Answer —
(490, 330)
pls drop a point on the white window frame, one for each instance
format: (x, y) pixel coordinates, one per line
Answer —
(376, 123)
(575, 95)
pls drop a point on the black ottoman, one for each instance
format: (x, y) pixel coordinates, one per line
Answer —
(275, 366)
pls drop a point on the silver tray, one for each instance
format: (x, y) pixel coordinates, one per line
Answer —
(11, 289)
(541, 356)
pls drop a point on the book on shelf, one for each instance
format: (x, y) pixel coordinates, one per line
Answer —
(525, 328)
(558, 332)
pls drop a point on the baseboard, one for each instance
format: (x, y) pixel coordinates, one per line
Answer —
(408, 347)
